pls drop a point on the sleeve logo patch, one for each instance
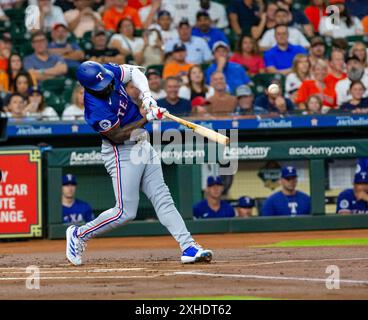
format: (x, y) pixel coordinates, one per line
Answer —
(105, 124)
(344, 204)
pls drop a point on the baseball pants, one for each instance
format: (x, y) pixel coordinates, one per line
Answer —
(134, 167)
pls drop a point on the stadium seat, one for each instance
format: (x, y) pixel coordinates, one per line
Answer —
(55, 101)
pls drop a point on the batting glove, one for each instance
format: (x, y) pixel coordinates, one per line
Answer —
(148, 101)
(156, 114)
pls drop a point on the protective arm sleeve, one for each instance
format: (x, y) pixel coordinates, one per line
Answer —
(134, 74)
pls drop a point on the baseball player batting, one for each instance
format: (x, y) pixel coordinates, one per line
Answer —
(112, 113)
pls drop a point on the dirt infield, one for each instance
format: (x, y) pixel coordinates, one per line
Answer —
(136, 268)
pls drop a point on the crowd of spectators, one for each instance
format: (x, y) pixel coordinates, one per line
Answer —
(202, 58)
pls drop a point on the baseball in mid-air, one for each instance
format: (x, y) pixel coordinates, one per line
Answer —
(273, 89)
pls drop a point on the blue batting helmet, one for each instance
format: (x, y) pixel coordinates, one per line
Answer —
(92, 75)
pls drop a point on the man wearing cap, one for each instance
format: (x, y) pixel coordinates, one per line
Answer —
(204, 30)
(288, 201)
(74, 210)
(198, 51)
(244, 207)
(213, 206)
(177, 66)
(354, 200)
(100, 52)
(155, 84)
(41, 64)
(245, 99)
(317, 50)
(234, 73)
(59, 45)
(355, 72)
(200, 106)
(164, 25)
(216, 12)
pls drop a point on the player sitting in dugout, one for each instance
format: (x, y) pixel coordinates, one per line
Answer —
(74, 210)
(288, 201)
(213, 206)
(354, 200)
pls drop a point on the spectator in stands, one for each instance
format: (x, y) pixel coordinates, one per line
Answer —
(279, 59)
(357, 104)
(234, 73)
(36, 107)
(204, 30)
(82, 19)
(300, 72)
(75, 211)
(288, 201)
(348, 25)
(355, 72)
(221, 102)
(15, 107)
(337, 68)
(297, 18)
(295, 37)
(317, 85)
(200, 107)
(317, 50)
(217, 13)
(118, 11)
(126, 43)
(173, 103)
(196, 85)
(148, 11)
(60, 45)
(213, 206)
(22, 84)
(100, 51)
(7, 78)
(245, 99)
(313, 105)
(180, 9)
(177, 66)
(155, 84)
(75, 111)
(165, 26)
(134, 93)
(365, 24)
(273, 103)
(247, 54)
(198, 51)
(244, 207)
(355, 200)
(41, 64)
(50, 15)
(153, 53)
(6, 47)
(314, 12)
(243, 15)
(359, 49)
(267, 21)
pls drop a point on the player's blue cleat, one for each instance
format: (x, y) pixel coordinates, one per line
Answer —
(196, 253)
(74, 246)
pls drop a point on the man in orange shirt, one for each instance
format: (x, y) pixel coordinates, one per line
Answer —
(121, 10)
(337, 68)
(177, 67)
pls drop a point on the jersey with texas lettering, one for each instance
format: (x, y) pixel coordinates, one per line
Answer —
(346, 201)
(118, 109)
(79, 212)
(279, 204)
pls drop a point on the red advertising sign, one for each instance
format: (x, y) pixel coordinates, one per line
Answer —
(20, 193)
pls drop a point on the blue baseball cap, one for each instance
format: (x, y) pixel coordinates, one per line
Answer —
(69, 179)
(211, 181)
(245, 202)
(288, 172)
(361, 177)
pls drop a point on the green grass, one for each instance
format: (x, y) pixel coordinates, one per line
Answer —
(318, 243)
